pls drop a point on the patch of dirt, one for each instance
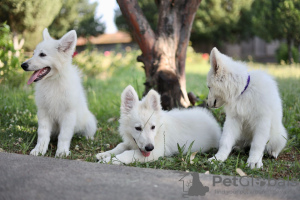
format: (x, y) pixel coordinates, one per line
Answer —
(292, 156)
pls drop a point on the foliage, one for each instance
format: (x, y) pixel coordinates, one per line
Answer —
(218, 21)
(78, 15)
(150, 11)
(277, 19)
(282, 54)
(10, 70)
(100, 65)
(86, 23)
(29, 17)
(65, 19)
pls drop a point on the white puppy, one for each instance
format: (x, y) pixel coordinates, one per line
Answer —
(252, 105)
(148, 132)
(59, 95)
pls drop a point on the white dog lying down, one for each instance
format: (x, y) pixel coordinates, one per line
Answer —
(59, 95)
(148, 132)
(252, 105)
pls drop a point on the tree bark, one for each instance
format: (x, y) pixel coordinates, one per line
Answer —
(163, 52)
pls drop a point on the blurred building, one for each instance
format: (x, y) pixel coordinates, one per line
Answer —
(255, 49)
(107, 42)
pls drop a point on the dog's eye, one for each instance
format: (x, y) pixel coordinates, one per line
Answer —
(138, 128)
(152, 127)
(42, 55)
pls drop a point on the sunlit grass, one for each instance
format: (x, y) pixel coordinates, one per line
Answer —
(279, 71)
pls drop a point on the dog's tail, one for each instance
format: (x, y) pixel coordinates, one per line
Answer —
(278, 139)
(90, 126)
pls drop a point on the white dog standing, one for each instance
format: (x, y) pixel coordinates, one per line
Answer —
(252, 105)
(59, 95)
(148, 132)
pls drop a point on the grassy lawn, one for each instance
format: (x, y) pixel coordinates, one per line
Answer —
(104, 82)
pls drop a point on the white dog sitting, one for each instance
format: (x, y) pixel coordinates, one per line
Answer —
(252, 105)
(59, 95)
(148, 132)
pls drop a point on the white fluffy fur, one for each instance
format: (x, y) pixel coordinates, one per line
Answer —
(176, 126)
(60, 98)
(252, 118)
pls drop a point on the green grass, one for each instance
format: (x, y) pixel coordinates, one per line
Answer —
(18, 121)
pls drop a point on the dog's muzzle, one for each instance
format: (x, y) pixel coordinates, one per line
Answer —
(25, 66)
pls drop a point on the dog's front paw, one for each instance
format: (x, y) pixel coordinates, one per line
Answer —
(36, 152)
(254, 162)
(62, 153)
(217, 157)
(101, 156)
(104, 160)
(110, 160)
(273, 153)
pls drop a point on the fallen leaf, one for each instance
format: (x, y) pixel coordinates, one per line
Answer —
(240, 172)
(192, 157)
(111, 119)
(207, 172)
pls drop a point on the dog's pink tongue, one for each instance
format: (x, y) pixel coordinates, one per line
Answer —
(34, 76)
(146, 154)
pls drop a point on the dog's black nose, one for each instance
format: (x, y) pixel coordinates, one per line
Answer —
(25, 66)
(149, 147)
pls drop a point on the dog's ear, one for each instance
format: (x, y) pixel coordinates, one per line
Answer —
(214, 59)
(153, 99)
(68, 42)
(46, 34)
(129, 98)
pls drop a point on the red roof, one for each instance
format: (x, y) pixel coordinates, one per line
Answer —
(118, 37)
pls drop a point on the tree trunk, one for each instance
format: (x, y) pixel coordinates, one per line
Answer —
(163, 52)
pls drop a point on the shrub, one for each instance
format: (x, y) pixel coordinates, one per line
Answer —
(193, 57)
(282, 54)
(97, 64)
(10, 70)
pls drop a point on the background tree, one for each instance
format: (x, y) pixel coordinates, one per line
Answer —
(277, 19)
(149, 10)
(78, 15)
(216, 21)
(86, 23)
(219, 21)
(65, 19)
(29, 17)
(163, 51)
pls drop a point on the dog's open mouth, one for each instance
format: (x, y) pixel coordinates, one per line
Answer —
(145, 153)
(38, 75)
